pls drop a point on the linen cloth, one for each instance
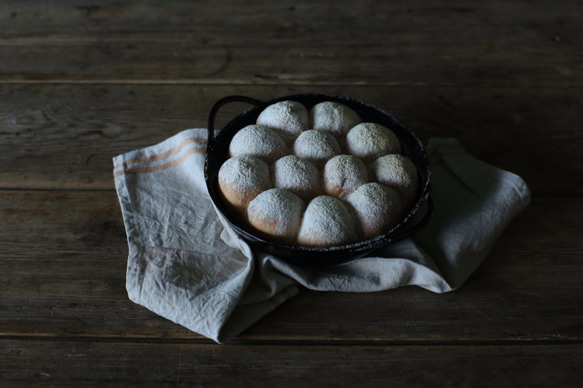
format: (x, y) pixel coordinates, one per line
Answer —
(187, 265)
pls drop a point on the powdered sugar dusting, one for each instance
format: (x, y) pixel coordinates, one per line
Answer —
(277, 212)
(343, 174)
(316, 146)
(399, 173)
(241, 178)
(376, 207)
(368, 141)
(296, 175)
(347, 200)
(327, 222)
(288, 118)
(333, 117)
(255, 140)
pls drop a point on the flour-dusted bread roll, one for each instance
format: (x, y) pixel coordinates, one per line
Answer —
(298, 176)
(399, 173)
(343, 174)
(258, 141)
(333, 117)
(316, 146)
(376, 207)
(369, 141)
(242, 178)
(287, 118)
(327, 222)
(277, 213)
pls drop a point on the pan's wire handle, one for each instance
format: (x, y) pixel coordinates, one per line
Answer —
(218, 105)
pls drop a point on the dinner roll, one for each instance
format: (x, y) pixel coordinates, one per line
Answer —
(369, 141)
(343, 174)
(399, 173)
(376, 207)
(327, 222)
(287, 118)
(316, 146)
(242, 178)
(276, 213)
(297, 175)
(258, 141)
(333, 117)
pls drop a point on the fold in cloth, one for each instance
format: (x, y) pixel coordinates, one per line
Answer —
(188, 266)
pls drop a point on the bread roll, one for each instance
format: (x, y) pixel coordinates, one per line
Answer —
(369, 141)
(316, 146)
(298, 176)
(333, 117)
(399, 173)
(376, 207)
(327, 222)
(242, 178)
(343, 174)
(258, 141)
(287, 118)
(277, 213)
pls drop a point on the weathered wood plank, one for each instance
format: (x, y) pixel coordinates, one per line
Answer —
(62, 272)
(497, 43)
(81, 82)
(119, 364)
(64, 136)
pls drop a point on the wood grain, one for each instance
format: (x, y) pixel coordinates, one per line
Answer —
(64, 136)
(499, 43)
(81, 82)
(528, 289)
(68, 363)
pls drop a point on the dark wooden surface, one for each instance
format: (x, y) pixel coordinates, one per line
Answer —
(81, 82)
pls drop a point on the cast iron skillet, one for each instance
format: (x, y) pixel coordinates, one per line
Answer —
(218, 151)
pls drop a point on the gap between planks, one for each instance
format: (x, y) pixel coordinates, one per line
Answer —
(552, 341)
(276, 81)
(214, 82)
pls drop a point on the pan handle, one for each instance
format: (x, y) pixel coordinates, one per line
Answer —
(218, 105)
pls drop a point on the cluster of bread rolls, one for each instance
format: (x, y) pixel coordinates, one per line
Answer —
(317, 178)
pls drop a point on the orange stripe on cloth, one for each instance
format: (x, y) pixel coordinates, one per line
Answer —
(160, 167)
(163, 155)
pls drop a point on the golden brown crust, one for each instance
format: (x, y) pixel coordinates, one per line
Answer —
(242, 178)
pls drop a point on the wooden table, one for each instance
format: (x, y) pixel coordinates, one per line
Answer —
(83, 81)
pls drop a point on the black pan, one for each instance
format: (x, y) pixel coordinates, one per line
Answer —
(218, 151)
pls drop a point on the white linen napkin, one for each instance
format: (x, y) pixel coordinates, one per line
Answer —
(184, 264)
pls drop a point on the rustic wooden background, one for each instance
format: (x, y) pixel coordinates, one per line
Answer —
(83, 81)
